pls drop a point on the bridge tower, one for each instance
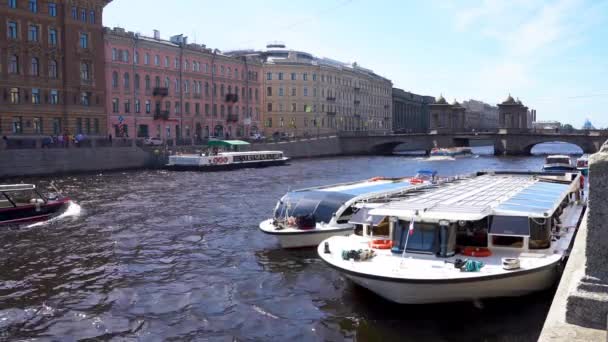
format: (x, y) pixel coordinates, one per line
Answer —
(513, 115)
(446, 117)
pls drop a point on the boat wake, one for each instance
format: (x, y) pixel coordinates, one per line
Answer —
(73, 210)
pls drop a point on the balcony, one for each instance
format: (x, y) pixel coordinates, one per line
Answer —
(232, 97)
(331, 98)
(232, 118)
(161, 115)
(160, 91)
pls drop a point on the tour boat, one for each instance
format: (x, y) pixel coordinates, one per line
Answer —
(582, 164)
(23, 203)
(304, 218)
(451, 152)
(558, 163)
(217, 160)
(496, 234)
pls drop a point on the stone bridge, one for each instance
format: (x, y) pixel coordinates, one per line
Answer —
(511, 142)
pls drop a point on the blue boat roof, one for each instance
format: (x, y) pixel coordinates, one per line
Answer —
(375, 188)
(536, 199)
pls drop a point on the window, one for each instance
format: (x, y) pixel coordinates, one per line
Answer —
(33, 6)
(293, 91)
(32, 33)
(187, 107)
(178, 107)
(280, 91)
(92, 17)
(17, 126)
(314, 77)
(83, 15)
(156, 60)
(280, 76)
(148, 106)
(84, 71)
(114, 79)
(206, 109)
(293, 76)
(147, 81)
(269, 91)
(293, 107)
(305, 91)
(270, 107)
(167, 82)
(176, 63)
(305, 76)
(79, 125)
(84, 40)
(197, 108)
(13, 64)
(57, 126)
(137, 106)
(114, 105)
(136, 82)
(126, 80)
(35, 96)
(14, 95)
(166, 62)
(85, 98)
(12, 3)
(127, 106)
(52, 9)
(114, 54)
(74, 13)
(13, 30)
(125, 56)
(96, 125)
(87, 125)
(147, 59)
(52, 69)
(222, 70)
(52, 37)
(35, 67)
(269, 76)
(54, 97)
(136, 57)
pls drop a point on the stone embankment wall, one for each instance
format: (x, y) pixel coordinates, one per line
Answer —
(30, 162)
(579, 311)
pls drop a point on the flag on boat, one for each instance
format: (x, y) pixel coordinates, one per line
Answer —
(411, 230)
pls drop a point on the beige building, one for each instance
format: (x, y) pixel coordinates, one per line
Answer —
(305, 96)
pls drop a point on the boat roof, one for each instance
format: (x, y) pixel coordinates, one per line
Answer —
(227, 143)
(17, 187)
(558, 156)
(369, 187)
(472, 199)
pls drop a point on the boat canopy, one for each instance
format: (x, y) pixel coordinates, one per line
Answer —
(227, 143)
(362, 216)
(537, 200)
(320, 204)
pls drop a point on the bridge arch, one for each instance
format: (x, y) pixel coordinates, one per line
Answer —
(386, 147)
(571, 145)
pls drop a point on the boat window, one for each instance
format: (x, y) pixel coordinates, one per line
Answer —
(540, 233)
(510, 225)
(346, 215)
(508, 241)
(474, 234)
(558, 160)
(320, 204)
(425, 238)
(22, 197)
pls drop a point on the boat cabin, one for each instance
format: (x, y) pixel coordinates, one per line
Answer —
(19, 195)
(495, 211)
(217, 146)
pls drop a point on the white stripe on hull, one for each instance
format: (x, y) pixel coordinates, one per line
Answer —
(425, 293)
(308, 239)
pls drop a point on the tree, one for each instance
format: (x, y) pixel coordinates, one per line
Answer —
(567, 128)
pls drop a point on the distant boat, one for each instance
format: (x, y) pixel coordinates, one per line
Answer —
(451, 152)
(23, 203)
(224, 155)
(582, 164)
(558, 163)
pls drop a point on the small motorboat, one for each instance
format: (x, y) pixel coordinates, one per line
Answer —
(488, 235)
(304, 218)
(582, 164)
(23, 203)
(451, 152)
(558, 163)
(225, 155)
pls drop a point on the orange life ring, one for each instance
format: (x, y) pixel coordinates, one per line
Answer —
(416, 181)
(476, 252)
(381, 244)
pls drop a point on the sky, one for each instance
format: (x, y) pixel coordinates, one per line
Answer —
(552, 55)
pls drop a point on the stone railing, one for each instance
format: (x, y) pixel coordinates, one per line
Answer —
(41, 142)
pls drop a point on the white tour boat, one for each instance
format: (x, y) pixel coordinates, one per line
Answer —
(304, 218)
(490, 235)
(558, 163)
(224, 155)
(450, 153)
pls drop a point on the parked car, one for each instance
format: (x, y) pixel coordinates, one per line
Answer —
(256, 137)
(153, 141)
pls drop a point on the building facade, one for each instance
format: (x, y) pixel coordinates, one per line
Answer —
(446, 117)
(304, 95)
(175, 90)
(410, 112)
(51, 67)
(480, 115)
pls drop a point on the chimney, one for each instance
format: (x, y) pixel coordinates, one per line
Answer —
(157, 34)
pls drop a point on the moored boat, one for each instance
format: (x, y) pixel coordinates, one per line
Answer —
(558, 163)
(304, 218)
(224, 155)
(582, 164)
(490, 235)
(23, 203)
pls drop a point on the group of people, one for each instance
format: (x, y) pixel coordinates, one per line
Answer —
(63, 140)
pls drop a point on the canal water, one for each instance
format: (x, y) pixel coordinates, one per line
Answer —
(157, 255)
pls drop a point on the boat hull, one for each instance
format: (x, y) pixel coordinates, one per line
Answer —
(405, 291)
(302, 238)
(227, 167)
(31, 213)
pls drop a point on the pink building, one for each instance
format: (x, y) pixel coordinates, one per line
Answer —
(175, 90)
